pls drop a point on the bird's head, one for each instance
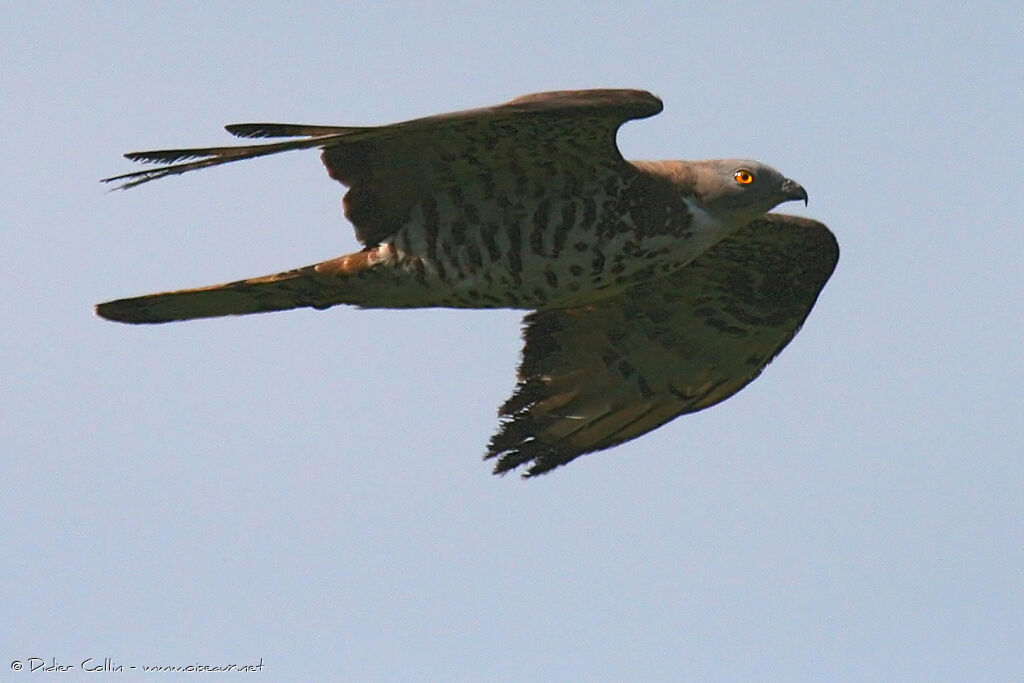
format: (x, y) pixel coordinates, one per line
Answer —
(736, 191)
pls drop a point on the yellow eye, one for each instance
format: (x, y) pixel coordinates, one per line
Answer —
(743, 176)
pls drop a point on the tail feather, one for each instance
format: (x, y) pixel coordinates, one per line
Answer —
(318, 286)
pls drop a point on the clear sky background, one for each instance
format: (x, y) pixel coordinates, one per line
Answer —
(306, 488)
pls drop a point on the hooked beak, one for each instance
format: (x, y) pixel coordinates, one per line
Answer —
(793, 190)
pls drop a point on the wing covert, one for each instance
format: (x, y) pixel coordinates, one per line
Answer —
(547, 143)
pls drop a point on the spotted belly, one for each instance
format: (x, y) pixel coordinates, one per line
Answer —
(555, 254)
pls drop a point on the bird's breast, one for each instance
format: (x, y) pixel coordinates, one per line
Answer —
(537, 248)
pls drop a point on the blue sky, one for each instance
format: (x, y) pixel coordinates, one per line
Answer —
(306, 488)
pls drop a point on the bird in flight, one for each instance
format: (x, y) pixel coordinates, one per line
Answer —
(655, 288)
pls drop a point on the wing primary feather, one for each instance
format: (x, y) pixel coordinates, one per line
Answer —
(286, 130)
(140, 177)
(593, 433)
(170, 156)
(208, 156)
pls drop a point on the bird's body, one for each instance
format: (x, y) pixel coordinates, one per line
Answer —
(530, 205)
(460, 251)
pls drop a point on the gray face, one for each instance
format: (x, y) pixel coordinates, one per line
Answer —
(736, 191)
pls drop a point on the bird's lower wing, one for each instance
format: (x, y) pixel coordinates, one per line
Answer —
(596, 376)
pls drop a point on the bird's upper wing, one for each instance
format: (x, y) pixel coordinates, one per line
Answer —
(595, 376)
(533, 141)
